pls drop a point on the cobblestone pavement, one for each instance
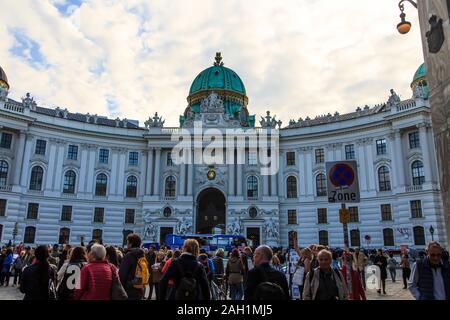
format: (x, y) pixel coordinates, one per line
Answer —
(10, 293)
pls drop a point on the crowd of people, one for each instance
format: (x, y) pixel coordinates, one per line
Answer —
(98, 272)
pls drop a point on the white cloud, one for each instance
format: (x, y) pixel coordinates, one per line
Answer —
(297, 58)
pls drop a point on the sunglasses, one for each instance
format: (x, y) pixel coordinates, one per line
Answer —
(435, 254)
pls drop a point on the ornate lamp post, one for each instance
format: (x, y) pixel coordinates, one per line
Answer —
(432, 233)
(404, 26)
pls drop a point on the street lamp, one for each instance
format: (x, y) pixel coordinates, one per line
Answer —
(432, 233)
(404, 26)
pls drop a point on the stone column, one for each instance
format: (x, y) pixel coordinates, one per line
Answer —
(231, 180)
(83, 168)
(121, 183)
(266, 186)
(190, 180)
(240, 168)
(400, 160)
(149, 179)
(425, 152)
(51, 166)
(157, 181)
(281, 182)
(114, 170)
(309, 172)
(182, 183)
(302, 172)
(59, 167)
(362, 169)
(19, 157)
(26, 160)
(370, 168)
(92, 151)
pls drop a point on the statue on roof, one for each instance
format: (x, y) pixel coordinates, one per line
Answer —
(270, 122)
(394, 99)
(218, 59)
(155, 122)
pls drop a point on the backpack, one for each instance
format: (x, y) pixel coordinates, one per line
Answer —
(141, 275)
(188, 287)
(268, 290)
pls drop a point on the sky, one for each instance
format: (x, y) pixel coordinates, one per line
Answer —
(132, 58)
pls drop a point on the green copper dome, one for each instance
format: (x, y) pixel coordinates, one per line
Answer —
(218, 77)
(420, 73)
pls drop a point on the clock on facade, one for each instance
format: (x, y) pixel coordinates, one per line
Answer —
(211, 174)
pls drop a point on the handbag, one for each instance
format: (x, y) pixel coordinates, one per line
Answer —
(117, 290)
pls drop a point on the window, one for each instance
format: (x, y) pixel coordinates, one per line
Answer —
(381, 147)
(133, 158)
(170, 187)
(418, 174)
(40, 147)
(253, 212)
(103, 156)
(131, 191)
(386, 212)
(292, 216)
(322, 216)
(290, 158)
(72, 152)
(320, 156)
(355, 238)
(101, 184)
(66, 213)
(69, 182)
(32, 212)
(323, 238)
(350, 152)
(129, 216)
(64, 236)
(1, 231)
(414, 140)
(384, 179)
(388, 237)
(167, 212)
(291, 187)
(252, 158)
(99, 215)
(2, 208)
(416, 209)
(252, 187)
(97, 234)
(37, 174)
(321, 185)
(30, 233)
(169, 159)
(5, 141)
(354, 214)
(4, 168)
(419, 236)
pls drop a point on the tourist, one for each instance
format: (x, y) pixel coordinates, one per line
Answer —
(151, 255)
(37, 276)
(6, 266)
(381, 261)
(356, 292)
(263, 278)
(205, 262)
(64, 255)
(406, 270)
(155, 275)
(96, 277)
(430, 278)
(189, 278)
(77, 259)
(219, 270)
(247, 260)
(324, 282)
(17, 267)
(27, 257)
(127, 270)
(170, 289)
(276, 264)
(112, 256)
(360, 261)
(392, 266)
(234, 274)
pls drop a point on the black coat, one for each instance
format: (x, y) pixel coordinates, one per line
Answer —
(127, 271)
(32, 285)
(256, 277)
(381, 262)
(188, 263)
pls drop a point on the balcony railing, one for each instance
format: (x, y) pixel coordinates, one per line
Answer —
(14, 107)
(414, 188)
(6, 188)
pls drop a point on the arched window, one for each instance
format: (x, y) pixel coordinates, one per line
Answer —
(30, 233)
(323, 238)
(131, 187)
(69, 182)
(64, 236)
(97, 234)
(4, 167)
(101, 184)
(388, 237)
(37, 174)
(252, 187)
(291, 187)
(355, 238)
(419, 236)
(418, 174)
(321, 185)
(170, 187)
(384, 179)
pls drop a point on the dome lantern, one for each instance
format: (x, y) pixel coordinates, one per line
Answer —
(4, 85)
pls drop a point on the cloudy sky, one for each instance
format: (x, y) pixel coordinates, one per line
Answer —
(131, 58)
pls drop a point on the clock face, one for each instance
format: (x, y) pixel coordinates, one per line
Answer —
(211, 174)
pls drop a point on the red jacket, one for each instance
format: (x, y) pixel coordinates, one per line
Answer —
(357, 290)
(95, 281)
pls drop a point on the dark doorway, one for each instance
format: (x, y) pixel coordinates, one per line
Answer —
(253, 234)
(163, 231)
(210, 211)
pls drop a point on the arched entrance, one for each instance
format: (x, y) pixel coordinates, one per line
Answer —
(210, 211)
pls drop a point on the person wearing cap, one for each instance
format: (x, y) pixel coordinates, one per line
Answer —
(430, 278)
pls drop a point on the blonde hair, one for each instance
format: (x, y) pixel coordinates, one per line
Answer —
(307, 253)
(275, 260)
(191, 246)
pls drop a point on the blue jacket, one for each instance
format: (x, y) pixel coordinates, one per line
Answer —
(7, 263)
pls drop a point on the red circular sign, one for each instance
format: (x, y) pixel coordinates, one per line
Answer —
(341, 175)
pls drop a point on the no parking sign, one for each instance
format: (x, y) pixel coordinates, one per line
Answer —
(342, 182)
